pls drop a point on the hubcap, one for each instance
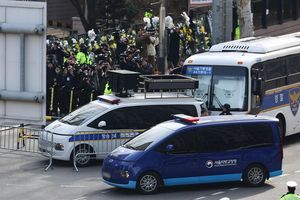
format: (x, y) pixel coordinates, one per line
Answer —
(148, 183)
(255, 175)
(82, 159)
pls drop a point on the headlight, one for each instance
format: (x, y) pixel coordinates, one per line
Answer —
(124, 174)
(59, 147)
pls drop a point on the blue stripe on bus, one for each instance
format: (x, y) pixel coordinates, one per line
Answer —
(202, 179)
(279, 98)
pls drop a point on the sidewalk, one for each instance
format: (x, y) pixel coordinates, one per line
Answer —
(280, 29)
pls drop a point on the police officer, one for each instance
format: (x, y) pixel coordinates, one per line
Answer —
(290, 195)
(226, 109)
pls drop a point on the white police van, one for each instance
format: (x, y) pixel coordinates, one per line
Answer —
(99, 127)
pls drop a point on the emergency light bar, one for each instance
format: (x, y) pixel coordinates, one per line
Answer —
(108, 99)
(186, 118)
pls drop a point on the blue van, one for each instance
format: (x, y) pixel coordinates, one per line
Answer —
(191, 150)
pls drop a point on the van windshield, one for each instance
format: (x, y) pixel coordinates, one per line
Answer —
(144, 140)
(82, 114)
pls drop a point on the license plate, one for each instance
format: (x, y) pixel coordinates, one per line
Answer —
(106, 175)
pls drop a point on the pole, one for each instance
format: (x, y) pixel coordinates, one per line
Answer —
(162, 60)
(221, 21)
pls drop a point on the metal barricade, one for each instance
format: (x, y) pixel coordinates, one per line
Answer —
(23, 139)
(97, 144)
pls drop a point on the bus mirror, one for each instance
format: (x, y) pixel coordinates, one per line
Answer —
(257, 86)
(102, 124)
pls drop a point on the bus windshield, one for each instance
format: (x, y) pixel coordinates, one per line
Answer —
(219, 85)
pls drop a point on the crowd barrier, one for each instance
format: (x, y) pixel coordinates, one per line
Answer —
(22, 139)
(85, 146)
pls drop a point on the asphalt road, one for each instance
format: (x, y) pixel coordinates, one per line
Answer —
(22, 177)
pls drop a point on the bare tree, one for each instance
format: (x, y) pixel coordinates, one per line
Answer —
(86, 11)
(245, 18)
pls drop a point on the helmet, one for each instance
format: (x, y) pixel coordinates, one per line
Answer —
(226, 105)
(291, 184)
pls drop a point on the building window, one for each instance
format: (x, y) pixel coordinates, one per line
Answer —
(287, 10)
(257, 10)
(273, 15)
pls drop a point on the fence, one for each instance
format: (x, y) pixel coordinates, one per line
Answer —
(80, 147)
(22, 139)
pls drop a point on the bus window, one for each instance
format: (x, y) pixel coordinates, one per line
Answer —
(293, 69)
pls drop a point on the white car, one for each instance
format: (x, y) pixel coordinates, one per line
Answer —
(99, 127)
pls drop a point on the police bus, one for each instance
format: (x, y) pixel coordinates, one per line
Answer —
(256, 75)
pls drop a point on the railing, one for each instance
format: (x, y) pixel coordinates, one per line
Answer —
(84, 146)
(23, 139)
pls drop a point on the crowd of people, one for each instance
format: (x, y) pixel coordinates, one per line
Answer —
(77, 66)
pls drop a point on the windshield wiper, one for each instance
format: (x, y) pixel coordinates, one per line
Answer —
(218, 101)
(65, 121)
(129, 147)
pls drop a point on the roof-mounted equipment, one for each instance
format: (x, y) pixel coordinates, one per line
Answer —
(186, 118)
(123, 82)
(108, 99)
(168, 83)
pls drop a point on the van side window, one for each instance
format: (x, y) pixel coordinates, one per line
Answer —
(142, 117)
(229, 137)
(258, 133)
(115, 119)
(214, 139)
(184, 143)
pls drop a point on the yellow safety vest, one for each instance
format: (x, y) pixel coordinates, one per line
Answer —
(290, 197)
(107, 90)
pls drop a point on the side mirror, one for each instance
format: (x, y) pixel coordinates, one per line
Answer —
(102, 124)
(257, 86)
(169, 148)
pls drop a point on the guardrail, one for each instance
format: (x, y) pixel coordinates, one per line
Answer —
(84, 146)
(23, 139)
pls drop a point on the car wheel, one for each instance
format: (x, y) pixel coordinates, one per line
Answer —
(149, 183)
(254, 175)
(83, 157)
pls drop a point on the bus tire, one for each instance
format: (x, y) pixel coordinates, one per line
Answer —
(254, 175)
(84, 157)
(282, 126)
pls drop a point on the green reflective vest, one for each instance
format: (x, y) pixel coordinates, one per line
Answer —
(237, 32)
(107, 90)
(290, 197)
(81, 58)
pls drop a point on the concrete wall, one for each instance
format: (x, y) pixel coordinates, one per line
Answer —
(35, 62)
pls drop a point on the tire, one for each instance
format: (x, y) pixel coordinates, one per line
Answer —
(84, 157)
(149, 183)
(254, 175)
(281, 128)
